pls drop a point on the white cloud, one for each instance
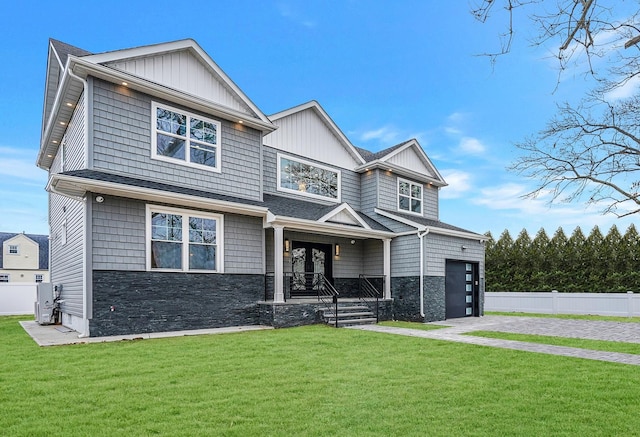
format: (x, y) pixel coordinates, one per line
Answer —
(386, 134)
(459, 184)
(287, 11)
(471, 145)
(628, 89)
(18, 163)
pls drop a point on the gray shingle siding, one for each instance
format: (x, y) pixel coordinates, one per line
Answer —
(439, 248)
(369, 191)
(122, 144)
(243, 238)
(350, 180)
(119, 234)
(119, 238)
(405, 256)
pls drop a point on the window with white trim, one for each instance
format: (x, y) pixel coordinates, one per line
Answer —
(39, 278)
(13, 249)
(180, 136)
(4, 277)
(180, 240)
(308, 178)
(409, 196)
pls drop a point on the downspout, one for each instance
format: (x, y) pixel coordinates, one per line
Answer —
(421, 235)
(85, 85)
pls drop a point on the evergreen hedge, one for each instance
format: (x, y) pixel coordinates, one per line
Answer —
(593, 264)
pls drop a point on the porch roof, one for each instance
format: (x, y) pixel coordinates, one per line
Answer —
(77, 183)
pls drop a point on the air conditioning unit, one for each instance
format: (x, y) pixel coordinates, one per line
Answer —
(45, 304)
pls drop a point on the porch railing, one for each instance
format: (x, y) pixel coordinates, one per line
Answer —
(367, 292)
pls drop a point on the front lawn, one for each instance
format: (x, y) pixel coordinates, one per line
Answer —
(313, 380)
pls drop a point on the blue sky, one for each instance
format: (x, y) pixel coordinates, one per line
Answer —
(385, 71)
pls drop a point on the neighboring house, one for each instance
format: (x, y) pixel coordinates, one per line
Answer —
(24, 258)
(176, 204)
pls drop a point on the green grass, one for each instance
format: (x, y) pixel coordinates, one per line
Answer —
(568, 316)
(312, 380)
(411, 325)
(596, 345)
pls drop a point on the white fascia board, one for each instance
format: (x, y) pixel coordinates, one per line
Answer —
(431, 229)
(155, 49)
(327, 228)
(387, 166)
(340, 208)
(83, 68)
(326, 119)
(76, 187)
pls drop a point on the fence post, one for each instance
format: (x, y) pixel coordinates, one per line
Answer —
(554, 301)
(630, 303)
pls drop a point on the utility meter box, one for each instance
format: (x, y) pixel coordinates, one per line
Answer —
(44, 304)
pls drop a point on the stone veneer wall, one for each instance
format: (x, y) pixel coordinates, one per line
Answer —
(405, 292)
(126, 302)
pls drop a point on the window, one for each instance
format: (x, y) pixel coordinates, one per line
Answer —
(13, 249)
(39, 278)
(409, 196)
(184, 240)
(184, 137)
(308, 179)
(4, 278)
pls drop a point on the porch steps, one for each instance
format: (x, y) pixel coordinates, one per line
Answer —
(349, 315)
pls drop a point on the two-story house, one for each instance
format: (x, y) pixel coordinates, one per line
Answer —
(24, 258)
(175, 204)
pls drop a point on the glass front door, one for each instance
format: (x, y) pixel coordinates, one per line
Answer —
(310, 264)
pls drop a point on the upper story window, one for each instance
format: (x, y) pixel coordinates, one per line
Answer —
(409, 196)
(186, 138)
(308, 178)
(13, 249)
(182, 240)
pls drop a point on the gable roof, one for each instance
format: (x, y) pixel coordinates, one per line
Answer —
(405, 158)
(435, 226)
(65, 86)
(136, 61)
(41, 240)
(316, 143)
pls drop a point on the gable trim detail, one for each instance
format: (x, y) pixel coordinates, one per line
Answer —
(344, 208)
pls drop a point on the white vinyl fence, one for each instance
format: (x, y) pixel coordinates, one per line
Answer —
(604, 304)
(17, 298)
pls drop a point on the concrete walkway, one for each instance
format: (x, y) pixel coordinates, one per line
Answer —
(57, 335)
(585, 329)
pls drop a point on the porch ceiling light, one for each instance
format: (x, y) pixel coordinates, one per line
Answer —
(337, 250)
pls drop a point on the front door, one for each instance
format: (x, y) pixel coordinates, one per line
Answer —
(461, 289)
(310, 265)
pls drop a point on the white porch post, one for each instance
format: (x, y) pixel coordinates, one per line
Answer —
(278, 267)
(386, 249)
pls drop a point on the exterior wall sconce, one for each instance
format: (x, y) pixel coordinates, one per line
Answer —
(337, 250)
(463, 247)
(286, 245)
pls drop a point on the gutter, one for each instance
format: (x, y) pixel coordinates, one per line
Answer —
(85, 282)
(421, 235)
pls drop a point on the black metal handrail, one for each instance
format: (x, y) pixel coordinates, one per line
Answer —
(368, 291)
(312, 284)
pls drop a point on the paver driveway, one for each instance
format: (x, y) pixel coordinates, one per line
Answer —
(587, 329)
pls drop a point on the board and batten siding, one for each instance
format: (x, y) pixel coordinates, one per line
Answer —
(349, 185)
(183, 71)
(122, 127)
(119, 238)
(67, 219)
(305, 134)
